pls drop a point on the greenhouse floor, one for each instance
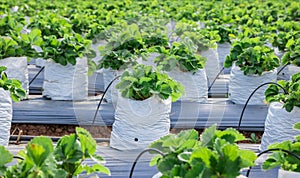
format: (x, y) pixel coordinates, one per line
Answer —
(120, 162)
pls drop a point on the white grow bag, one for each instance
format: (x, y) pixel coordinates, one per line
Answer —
(287, 174)
(5, 116)
(138, 123)
(212, 67)
(68, 82)
(279, 125)
(40, 62)
(288, 71)
(223, 51)
(195, 85)
(17, 69)
(241, 86)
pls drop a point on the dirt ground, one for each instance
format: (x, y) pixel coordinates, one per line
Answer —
(97, 132)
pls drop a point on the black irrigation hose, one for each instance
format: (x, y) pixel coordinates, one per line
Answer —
(267, 83)
(102, 97)
(271, 150)
(282, 68)
(36, 75)
(216, 78)
(18, 157)
(138, 157)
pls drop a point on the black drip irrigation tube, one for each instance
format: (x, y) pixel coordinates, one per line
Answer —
(282, 68)
(18, 157)
(101, 99)
(267, 83)
(36, 75)
(138, 157)
(271, 150)
(213, 82)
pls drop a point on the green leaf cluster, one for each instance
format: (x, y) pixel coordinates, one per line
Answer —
(292, 55)
(252, 56)
(18, 45)
(12, 85)
(204, 38)
(279, 158)
(284, 40)
(142, 82)
(290, 99)
(123, 48)
(65, 51)
(51, 24)
(40, 159)
(182, 55)
(153, 31)
(215, 154)
(9, 25)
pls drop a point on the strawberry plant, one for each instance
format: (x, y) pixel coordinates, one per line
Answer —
(66, 160)
(51, 24)
(9, 25)
(142, 82)
(153, 32)
(123, 48)
(279, 158)
(215, 154)
(292, 55)
(283, 40)
(65, 51)
(19, 45)
(252, 56)
(290, 99)
(181, 55)
(202, 38)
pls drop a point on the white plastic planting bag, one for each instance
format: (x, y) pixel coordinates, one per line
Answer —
(279, 125)
(17, 69)
(68, 82)
(5, 116)
(195, 85)
(223, 51)
(138, 123)
(241, 86)
(287, 174)
(212, 67)
(287, 72)
(40, 62)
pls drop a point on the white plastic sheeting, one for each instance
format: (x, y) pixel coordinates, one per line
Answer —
(195, 85)
(212, 67)
(5, 116)
(241, 86)
(17, 69)
(68, 82)
(279, 125)
(138, 123)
